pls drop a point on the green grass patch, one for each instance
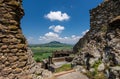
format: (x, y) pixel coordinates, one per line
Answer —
(41, 56)
(96, 74)
(95, 66)
(49, 49)
(99, 75)
(41, 53)
(64, 67)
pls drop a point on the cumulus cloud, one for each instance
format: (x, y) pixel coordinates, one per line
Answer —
(84, 32)
(51, 35)
(57, 29)
(57, 15)
(48, 37)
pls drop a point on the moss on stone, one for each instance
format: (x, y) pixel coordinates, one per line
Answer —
(97, 63)
(104, 29)
(93, 75)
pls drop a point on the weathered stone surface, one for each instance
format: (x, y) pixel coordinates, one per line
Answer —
(3, 59)
(23, 58)
(5, 40)
(21, 64)
(4, 47)
(16, 60)
(6, 71)
(99, 49)
(46, 74)
(17, 71)
(115, 72)
(81, 69)
(13, 27)
(12, 59)
(14, 50)
(7, 63)
(2, 67)
(101, 67)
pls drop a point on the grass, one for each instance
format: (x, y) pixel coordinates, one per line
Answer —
(41, 53)
(64, 67)
(96, 74)
(49, 49)
(95, 66)
(99, 75)
(41, 56)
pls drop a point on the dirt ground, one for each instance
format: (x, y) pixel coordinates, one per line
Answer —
(69, 75)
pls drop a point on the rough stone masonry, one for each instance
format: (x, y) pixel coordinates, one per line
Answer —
(99, 49)
(16, 60)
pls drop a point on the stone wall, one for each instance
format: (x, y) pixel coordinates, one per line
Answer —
(104, 13)
(99, 49)
(16, 60)
(100, 17)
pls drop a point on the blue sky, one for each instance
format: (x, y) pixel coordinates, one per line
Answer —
(56, 20)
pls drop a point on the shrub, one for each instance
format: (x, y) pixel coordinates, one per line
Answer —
(37, 59)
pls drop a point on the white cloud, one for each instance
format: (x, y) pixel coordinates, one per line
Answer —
(51, 35)
(73, 36)
(84, 32)
(30, 40)
(57, 29)
(57, 15)
(48, 37)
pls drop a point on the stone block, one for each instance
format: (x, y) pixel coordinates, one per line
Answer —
(6, 71)
(21, 64)
(17, 71)
(12, 59)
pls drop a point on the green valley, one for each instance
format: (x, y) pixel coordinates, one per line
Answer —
(42, 51)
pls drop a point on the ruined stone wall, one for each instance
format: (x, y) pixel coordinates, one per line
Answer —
(99, 49)
(13, 47)
(16, 60)
(100, 18)
(104, 13)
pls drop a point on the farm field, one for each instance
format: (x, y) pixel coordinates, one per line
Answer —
(43, 51)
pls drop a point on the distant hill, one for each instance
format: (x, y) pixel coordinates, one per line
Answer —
(54, 42)
(51, 44)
